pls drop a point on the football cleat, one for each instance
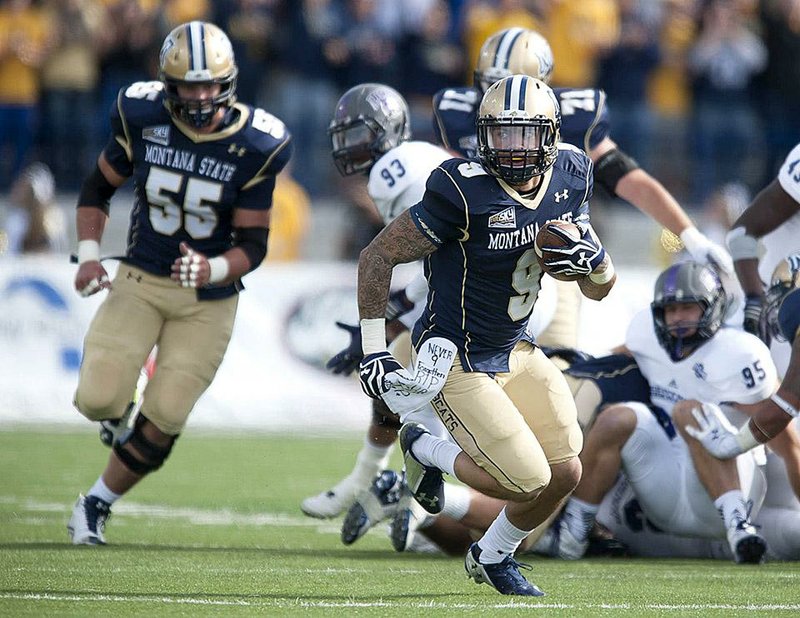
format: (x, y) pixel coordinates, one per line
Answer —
(503, 576)
(371, 507)
(747, 545)
(88, 522)
(425, 482)
(332, 502)
(408, 518)
(559, 542)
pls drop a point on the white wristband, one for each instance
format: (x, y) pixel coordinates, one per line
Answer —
(373, 335)
(219, 267)
(88, 251)
(745, 438)
(741, 245)
(784, 405)
(603, 277)
(692, 239)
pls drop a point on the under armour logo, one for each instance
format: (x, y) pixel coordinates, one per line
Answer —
(234, 149)
(561, 196)
(137, 277)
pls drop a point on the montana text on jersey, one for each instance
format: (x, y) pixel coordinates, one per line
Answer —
(189, 183)
(484, 277)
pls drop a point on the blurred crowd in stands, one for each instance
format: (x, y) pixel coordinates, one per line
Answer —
(702, 92)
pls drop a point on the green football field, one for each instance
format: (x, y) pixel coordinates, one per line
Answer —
(218, 531)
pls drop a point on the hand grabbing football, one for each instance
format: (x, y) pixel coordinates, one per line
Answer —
(553, 239)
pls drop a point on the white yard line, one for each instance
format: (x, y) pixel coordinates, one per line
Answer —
(287, 603)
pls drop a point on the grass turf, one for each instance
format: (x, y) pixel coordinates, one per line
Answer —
(218, 531)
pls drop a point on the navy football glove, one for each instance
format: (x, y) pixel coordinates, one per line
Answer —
(346, 361)
(578, 259)
(398, 305)
(753, 310)
(373, 371)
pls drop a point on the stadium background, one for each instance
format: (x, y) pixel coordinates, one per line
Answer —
(703, 93)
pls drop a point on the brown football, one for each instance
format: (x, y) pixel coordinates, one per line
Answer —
(546, 238)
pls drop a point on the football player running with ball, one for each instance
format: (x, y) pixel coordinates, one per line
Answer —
(507, 406)
(204, 169)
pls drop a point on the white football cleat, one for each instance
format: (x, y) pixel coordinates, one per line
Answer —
(332, 502)
(372, 506)
(747, 545)
(88, 521)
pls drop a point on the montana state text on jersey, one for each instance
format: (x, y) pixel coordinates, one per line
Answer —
(484, 277)
(584, 118)
(190, 183)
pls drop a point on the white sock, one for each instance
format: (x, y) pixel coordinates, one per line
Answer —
(731, 507)
(371, 461)
(457, 499)
(579, 516)
(101, 490)
(438, 453)
(501, 539)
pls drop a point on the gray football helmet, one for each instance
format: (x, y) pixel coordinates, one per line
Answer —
(513, 51)
(518, 129)
(370, 120)
(785, 278)
(688, 282)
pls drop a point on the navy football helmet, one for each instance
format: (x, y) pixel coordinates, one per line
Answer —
(785, 278)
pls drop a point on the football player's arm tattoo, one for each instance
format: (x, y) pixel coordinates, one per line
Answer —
(399, 242)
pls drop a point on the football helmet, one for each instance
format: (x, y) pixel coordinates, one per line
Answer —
(369, 120)
(688, 282)
(518, 129)
(785, 278)
(197, 53)
(513, 51)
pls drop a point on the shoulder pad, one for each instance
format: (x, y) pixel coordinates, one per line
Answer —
(584, 116)
(574, 161)
(141, 103)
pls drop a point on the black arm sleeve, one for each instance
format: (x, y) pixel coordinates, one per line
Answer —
(253, 241)
(611, 167)
(96, 191)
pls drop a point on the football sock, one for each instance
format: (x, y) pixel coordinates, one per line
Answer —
(437, 453)
(732, 507)
(579, 517)
(101, 490)
(371, 460)
(501, 539)
(457, 499)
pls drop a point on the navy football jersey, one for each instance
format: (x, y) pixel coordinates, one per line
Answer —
(187, 185)
(617, 376)
(484, 276)
(584, 118)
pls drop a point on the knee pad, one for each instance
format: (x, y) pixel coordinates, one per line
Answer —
(149, 456)
(383, 417)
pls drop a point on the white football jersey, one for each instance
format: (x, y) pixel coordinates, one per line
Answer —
(786, 238)
(734, 366)
(397, 180)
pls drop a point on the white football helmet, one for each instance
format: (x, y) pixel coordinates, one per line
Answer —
(510, 52)
(197, 53)
(518, 129)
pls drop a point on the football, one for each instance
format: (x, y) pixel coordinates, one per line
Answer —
(546, 239)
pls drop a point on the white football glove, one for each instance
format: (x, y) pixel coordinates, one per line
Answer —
(715, 432)
(703, 250)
